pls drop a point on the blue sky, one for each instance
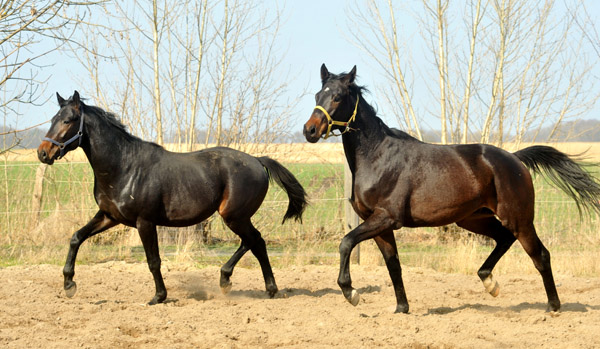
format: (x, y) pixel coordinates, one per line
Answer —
(313, 32)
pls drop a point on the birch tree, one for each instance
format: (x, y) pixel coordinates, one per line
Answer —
(387, 53)
(508, 69)
(213, 67)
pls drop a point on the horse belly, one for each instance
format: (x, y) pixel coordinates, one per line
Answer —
(188, 206)
(444, 208)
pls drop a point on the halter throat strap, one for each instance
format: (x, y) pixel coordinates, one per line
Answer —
(331, 122)
(62, 146)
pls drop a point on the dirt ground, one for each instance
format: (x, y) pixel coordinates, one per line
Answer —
(447, 310)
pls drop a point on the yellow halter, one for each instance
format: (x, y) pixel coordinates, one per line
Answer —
(331, 122)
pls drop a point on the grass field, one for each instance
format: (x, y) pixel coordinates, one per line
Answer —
(67, 203)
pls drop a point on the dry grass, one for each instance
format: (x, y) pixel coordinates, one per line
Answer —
(315, 153)
(574, 244)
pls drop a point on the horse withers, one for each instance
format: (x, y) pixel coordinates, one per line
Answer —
(399, 181)
(142, 185)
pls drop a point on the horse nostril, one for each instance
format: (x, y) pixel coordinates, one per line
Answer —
(312, 130)
(42, 155)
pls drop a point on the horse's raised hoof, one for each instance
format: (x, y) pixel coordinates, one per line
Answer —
(70, 289)
(226, 287)
(354, 298)
(491, 286)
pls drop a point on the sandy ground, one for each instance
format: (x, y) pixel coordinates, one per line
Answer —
(447, 310)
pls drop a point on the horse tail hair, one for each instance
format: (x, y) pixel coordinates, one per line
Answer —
(286, 180)
(567, 173)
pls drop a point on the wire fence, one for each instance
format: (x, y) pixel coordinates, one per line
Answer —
(66, 202)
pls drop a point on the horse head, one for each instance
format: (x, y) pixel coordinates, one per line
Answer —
(336, 106)
(66, 128)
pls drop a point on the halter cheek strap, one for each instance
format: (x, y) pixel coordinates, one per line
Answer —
(331, 122)
(62, 146)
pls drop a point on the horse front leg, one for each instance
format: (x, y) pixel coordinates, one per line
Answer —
(99, 223)
(377, 223)
(147, 231)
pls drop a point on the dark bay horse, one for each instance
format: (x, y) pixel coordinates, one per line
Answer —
(142, 185)
(398, 181)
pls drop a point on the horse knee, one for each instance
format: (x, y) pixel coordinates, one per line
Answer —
(74, 242)
(346, 246)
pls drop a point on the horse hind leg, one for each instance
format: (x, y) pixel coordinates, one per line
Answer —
(227, 269)
(253, 241)
(491, 227)
(541, 260)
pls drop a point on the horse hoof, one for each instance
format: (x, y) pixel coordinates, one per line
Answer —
(272, 293)
(157, 300)
(71, 290)
(491, 286)
(354, 298)
(553, 308)
(401, 309)
(496, 290)
(225, 289)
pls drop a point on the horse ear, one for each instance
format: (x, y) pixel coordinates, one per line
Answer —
(349, 78)
(76, 98)
(61, 101)
(324, 73)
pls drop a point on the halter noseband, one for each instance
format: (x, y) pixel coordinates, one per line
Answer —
(62, 146)
(331, 122)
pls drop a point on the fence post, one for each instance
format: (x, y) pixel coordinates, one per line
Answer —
(351, 218)
(38, 191)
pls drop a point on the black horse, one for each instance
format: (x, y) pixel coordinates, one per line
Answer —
(398, 181)
(142, 185)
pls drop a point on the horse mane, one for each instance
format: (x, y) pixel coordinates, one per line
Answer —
(111, 119)
(367, 108)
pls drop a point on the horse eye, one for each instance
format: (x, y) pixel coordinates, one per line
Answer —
(66, 122)
(337, 98)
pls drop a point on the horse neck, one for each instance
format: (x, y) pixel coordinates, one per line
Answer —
(106, 147)
(368, 133)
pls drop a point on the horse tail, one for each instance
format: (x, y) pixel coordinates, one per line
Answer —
(568, 174)
(286, 180)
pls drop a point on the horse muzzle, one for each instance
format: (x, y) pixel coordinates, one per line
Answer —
(47, 152)
(314, 128)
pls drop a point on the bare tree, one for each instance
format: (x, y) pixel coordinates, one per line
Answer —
(474, 20)
(217, 75)
(514, 67)
(439, 13)
(387, 54)
(29, 31)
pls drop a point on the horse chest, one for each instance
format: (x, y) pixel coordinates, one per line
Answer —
(362, 202)
(119, 203)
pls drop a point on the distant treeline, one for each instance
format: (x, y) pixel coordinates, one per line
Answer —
(572, 131)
